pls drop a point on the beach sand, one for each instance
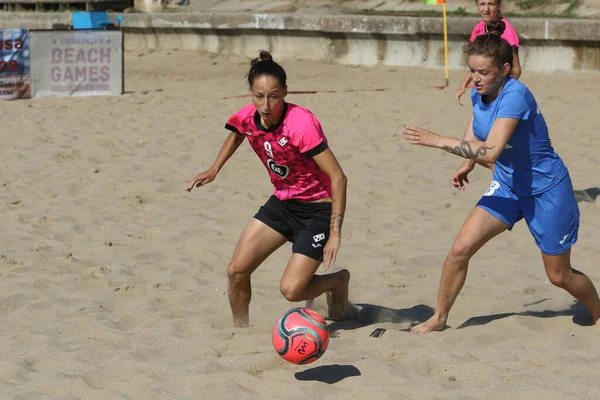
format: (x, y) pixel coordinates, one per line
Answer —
(112, 279)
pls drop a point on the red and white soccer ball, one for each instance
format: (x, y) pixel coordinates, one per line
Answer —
(301, 336)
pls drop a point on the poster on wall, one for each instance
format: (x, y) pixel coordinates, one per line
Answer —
(76, 63)
(14, 64)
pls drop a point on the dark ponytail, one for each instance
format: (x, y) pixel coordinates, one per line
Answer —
(264, 65)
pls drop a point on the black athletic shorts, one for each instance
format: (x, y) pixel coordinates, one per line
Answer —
(304, 224)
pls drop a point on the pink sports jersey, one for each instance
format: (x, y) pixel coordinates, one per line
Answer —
(510, 35)
(286, 150)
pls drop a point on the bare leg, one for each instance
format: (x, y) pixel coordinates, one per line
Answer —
(561, 274)
(299, 283)
(477, 230)
(256, 243)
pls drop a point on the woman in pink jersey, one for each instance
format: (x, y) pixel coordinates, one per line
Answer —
(490, 11)
(309, 199)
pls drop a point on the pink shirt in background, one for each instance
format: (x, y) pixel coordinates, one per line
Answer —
(286, 150)
(510, 35)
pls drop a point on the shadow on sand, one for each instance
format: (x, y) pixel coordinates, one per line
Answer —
(580, 314)
(369, 314)
(328, 373)
(587, 195)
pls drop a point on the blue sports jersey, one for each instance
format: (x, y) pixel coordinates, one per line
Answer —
(528, 165)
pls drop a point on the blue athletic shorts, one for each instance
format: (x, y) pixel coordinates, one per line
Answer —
(552, 216)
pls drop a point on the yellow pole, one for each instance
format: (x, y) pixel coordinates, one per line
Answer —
(445, 41)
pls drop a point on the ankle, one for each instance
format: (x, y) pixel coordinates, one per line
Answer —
(440, 317)
(242, 322)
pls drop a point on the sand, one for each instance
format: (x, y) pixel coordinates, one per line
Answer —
(112, 279)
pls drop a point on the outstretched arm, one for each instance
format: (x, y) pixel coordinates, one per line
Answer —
(479, 151)
(231, 144)
(329, 164)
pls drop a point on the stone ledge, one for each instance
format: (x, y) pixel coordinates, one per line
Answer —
(571, 30)
(528, 29)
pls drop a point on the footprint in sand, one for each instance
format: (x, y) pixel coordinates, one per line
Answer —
(64, 156)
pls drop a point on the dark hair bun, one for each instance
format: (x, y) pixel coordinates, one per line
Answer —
(263, 56)
(496, 27)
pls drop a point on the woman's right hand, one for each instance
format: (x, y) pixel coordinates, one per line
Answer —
(460, 176)
(201, 179)
(459, 94)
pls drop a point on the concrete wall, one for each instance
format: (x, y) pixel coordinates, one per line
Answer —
(547, 44)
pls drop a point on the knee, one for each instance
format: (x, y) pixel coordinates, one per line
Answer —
(462, 250)
(559, 278)
(236, 271)
(291, 292)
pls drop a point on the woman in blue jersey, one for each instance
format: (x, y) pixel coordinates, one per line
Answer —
(508, 134)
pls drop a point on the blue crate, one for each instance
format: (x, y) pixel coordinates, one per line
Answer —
(93, 20)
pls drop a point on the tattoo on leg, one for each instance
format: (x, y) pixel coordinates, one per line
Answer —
(465, 150)
(336, 222)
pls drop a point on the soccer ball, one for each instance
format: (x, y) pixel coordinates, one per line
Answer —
(300, 336)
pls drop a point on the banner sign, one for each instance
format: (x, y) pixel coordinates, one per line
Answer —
(14, 64)
(77, 63)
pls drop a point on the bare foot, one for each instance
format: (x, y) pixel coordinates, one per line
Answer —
(241, 321)
(597, 323)
(432, 324)
(337, 300)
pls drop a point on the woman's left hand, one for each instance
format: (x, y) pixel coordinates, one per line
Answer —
(331, 249)
(420, 136)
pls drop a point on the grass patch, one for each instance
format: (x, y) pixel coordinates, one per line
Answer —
(570, 11)
(529, 4)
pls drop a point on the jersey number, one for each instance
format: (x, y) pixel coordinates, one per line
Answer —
(269, 149)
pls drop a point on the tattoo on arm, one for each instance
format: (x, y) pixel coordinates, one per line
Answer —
(465, 150)
(336, 222)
